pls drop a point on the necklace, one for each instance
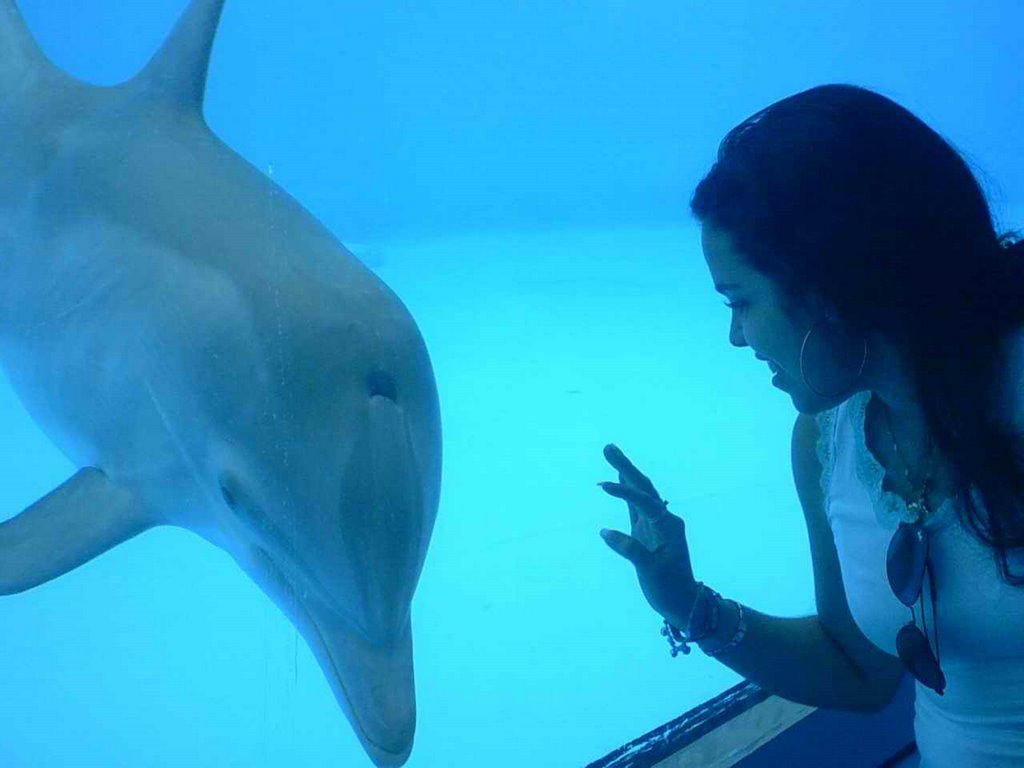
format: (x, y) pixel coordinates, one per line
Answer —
(921, 510)
(920, 506)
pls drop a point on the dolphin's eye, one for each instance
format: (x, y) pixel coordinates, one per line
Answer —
(225, 491)
(240, 502)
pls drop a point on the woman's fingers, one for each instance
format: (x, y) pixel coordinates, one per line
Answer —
(627, 546)
(652, 507)
(627, 472)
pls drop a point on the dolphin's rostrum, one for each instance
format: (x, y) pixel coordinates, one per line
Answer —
(210, 356)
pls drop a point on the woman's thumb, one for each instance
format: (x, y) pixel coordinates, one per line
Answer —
(627, 546)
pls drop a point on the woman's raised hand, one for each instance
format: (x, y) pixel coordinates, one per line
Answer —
(656, 545)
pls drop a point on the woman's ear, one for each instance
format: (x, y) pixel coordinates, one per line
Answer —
(816, 305)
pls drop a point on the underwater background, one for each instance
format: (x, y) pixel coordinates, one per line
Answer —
(519, 174)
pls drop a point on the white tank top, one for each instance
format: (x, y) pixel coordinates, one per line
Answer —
(979, 722)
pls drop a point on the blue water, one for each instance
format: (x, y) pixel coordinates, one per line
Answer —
(518, 173)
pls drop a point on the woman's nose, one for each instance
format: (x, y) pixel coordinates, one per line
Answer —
(736, 337)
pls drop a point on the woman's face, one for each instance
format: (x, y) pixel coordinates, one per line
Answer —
(760, 321)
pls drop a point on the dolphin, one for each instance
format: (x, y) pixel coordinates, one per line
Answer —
(209, 356)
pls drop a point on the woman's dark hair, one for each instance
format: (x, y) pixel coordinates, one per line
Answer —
(841, 191)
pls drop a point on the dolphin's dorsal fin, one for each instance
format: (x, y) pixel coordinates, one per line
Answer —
(177, 72)
(80, 519)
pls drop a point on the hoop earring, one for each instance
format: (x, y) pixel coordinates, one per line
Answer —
(803, 375)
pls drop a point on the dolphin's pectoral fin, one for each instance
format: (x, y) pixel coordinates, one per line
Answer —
(80, 519)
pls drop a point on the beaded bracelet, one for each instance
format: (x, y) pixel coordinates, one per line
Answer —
(678, 640)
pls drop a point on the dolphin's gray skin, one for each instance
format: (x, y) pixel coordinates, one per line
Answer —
(211, 357)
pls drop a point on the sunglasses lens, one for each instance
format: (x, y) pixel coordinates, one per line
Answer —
(912, 647)
(905, 561)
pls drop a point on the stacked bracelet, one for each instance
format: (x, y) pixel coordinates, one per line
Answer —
(738, 635)
(679, 639)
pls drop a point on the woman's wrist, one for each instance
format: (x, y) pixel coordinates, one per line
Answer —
(725, 631)
(712, 623)
(689, 603)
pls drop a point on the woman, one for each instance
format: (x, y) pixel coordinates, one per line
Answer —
(860, 260)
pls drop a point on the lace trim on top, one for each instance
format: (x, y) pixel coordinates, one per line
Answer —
(826, 439)
(890, 508)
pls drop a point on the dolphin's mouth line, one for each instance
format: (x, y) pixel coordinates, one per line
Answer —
(326, 649)
(341, 683)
